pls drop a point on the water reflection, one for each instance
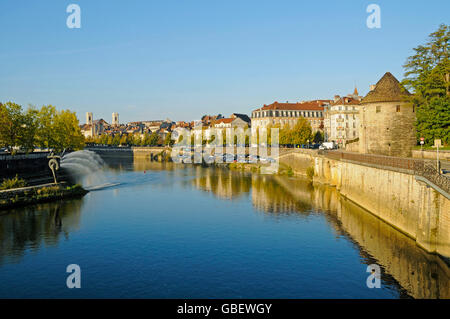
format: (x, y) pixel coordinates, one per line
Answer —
(30, 228)
(406, 267)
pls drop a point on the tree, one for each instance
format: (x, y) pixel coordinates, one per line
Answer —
(66, 132)
(427, 75)
(116, 140)
(123, 140)
(154, 139)
(46, 126)
(29, 128)
(318, 137)
(168, 139)
(11, 120)
(301, 132)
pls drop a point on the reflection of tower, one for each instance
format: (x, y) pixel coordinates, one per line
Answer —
(89, 118)
(115, 119)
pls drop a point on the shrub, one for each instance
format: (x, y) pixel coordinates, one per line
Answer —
(11, 183)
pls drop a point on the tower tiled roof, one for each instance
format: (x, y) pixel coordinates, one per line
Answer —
(388, 89)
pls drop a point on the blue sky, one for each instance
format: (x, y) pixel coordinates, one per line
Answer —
(182, 59)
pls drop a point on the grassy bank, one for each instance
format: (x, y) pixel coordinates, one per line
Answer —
(37, 194)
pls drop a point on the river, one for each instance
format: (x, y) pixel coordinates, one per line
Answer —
(182, 231)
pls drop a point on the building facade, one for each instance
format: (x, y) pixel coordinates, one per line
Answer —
(115, 119)
(387, 120)
(341, 123)
(288, 114)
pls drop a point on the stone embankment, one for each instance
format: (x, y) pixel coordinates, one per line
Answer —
(407, 193)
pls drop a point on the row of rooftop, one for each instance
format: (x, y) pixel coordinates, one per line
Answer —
(339, 119)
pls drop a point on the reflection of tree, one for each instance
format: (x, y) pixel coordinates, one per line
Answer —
(33, 226)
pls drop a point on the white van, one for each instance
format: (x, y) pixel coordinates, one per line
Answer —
(328, 146)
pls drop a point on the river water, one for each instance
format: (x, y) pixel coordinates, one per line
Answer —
(152, 230)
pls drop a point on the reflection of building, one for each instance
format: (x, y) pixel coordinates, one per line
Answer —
(289, 113)
(386, 120)
(342, 118)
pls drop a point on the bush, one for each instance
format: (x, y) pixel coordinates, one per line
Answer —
(11, 183)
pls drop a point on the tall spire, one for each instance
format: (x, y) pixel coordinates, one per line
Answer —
(355, 93)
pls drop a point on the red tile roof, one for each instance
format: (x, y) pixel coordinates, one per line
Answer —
(316, 105)
(229, 120)
(346, 101)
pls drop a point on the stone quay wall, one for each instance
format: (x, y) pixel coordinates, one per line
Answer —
(393, 195)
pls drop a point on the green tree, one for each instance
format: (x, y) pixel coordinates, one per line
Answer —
(123, 140)
(168, 139)
(66, 132)
(318, 137)
(11, 121)
(29, 128)
(301, 132)
(154, 139)
(427, 75)
(116, 140)
(46, 126)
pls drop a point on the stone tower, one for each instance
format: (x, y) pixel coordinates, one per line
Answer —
(89, 118)
(115, 119)
(387, 120)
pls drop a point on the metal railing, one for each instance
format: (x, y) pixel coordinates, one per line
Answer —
(419, 167)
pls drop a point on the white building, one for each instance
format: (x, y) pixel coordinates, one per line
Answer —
(342, 119)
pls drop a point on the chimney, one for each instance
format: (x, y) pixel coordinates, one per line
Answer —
(336, 97)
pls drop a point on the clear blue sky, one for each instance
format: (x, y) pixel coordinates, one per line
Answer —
(182, 59)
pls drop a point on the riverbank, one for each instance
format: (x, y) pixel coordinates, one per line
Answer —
(38, 194)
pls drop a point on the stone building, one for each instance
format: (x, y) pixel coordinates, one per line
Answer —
(115, 119)
(387, 120)
(93, 127)
(289, 113)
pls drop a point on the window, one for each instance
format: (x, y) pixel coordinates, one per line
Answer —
(397, 108)
(378, 109)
